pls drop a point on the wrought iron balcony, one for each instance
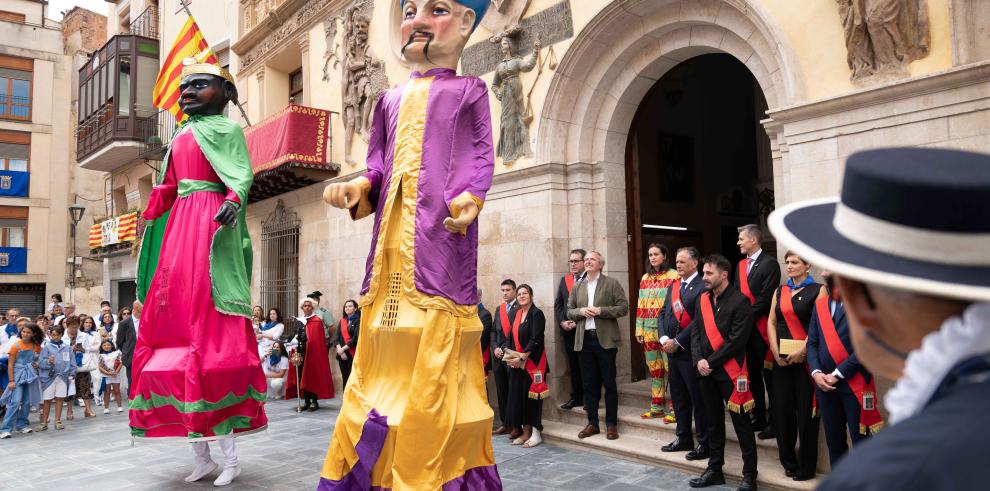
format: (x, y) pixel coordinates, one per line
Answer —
(146, 24)
(156, 133)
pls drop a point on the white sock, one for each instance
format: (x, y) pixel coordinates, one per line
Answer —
(204, 464)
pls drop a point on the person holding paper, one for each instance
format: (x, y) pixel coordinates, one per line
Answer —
(793, 389)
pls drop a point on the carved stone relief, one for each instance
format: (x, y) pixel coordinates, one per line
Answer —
(513, 139)
(362, 73)
(301, 19)
(883, 36)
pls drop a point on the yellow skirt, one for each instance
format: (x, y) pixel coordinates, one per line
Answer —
(415, 414)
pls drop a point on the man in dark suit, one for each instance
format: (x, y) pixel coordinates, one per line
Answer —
(486, 334)
(762, 277)
(733, 323)
(503, 322)
(837, 404)
(127, 332)
(677, 324)
(575, 264)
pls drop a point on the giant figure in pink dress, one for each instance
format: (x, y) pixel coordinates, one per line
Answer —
(196, 370)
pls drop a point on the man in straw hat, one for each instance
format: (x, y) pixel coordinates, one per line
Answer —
(415, 414)
(196, 370)
(909, 244)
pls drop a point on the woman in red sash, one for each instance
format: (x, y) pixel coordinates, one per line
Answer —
(793, 390)
(527, 377)
(345, 341)
(316, 380)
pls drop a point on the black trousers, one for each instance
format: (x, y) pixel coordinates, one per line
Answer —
(715, 393)
(760, 380)
(501, 372)
(840, 410)
(598, 369)
(521, 410)
(573, 365)
(345, 369)
(685, 393)
(793, 393)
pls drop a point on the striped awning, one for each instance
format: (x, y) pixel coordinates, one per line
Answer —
(117, 230)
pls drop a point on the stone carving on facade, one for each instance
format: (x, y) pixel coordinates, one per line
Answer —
(883, 36)
(362, 73)
(504, 14)
(513, 139)
(277, 39)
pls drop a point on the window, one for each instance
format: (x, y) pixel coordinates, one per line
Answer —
(280, 259)
(296, 86)
(13, 226)
(124, 101)
(119, 200)
(15, 87)
(15, 150)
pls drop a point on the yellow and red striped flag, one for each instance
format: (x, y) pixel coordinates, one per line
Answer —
(189, 43)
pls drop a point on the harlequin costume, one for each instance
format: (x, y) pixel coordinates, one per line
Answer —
(415, 413)
(652, 294)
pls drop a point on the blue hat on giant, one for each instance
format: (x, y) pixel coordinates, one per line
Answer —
(480, 7)
(915, 219)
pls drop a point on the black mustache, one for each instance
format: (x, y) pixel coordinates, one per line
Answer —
(426, 49)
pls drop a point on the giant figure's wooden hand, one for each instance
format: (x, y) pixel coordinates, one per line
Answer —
(227, 214)
(460, 223)
(342, 194)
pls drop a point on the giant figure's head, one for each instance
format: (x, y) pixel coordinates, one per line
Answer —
(435, 32)
(205, 88)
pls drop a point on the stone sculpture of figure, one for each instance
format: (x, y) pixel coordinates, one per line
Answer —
(513, 139)
(362, 78)
(883, 36)
(415, 414)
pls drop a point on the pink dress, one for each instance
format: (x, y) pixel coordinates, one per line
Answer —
(196, 370)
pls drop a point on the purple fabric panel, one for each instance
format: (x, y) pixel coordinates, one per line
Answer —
(457, 157)
(368, 448)
(476, 479)
(381, 153)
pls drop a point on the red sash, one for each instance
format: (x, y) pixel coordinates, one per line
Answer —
(569, 282)
(537, 372)
(738, 401)
(761, 323)
(797, 332)
(503, 314)
(682, 314)
(347, 336)
(869, 419)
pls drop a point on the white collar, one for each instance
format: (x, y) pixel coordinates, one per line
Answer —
(310, 315)
(958, 339)
(690, 278)
(756, 255)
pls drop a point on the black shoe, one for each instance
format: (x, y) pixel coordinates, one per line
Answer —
(699, 453)
(570, 404)
(314, 407)
(748, 483)
(710, 477)
(305, 407)
(802, 477)
(790, 472)
(767, 433)
(677, 445)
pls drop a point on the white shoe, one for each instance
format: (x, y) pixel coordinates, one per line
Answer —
(25, 430)
(201, 471)
(5, 435)
(227, 476)
(120, 409)
(106, 411)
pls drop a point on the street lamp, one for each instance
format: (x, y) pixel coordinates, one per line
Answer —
(75, 214)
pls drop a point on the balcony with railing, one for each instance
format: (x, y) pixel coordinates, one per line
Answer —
(156, 133)
(115, 103)
(146, 24)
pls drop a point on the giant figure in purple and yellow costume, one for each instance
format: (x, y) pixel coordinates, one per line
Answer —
(415, 414)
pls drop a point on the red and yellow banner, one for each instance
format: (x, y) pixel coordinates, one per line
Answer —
(294, 134)
(189, 43)
(117, 230)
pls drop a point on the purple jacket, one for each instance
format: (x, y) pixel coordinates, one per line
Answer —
(457, 157)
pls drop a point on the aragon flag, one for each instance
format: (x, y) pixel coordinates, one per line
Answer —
(189, 43)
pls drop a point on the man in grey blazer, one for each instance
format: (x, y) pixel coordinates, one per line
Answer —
(597, 341)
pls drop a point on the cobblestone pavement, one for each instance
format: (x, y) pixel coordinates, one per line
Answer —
(96, 453)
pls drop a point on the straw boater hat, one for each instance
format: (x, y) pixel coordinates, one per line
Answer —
(915, 219)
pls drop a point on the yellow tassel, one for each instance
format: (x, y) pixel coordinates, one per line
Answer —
(747, 407)
(767, 365)
(538, 395)
(814, 412)
(732, 407)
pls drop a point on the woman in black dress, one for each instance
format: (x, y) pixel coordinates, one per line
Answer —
(527, 388)
(345, 341)
(793, 389)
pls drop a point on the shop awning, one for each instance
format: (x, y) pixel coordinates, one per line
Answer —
(290, 150)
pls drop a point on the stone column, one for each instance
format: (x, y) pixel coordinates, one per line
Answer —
(308, 85)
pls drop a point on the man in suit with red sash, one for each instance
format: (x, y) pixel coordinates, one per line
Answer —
(757, 277)
(575, 264)
(723, 324)
(677, 325)
(500, 338)
(845, 392)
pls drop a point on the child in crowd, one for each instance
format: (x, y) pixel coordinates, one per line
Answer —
(57, 370)
(110, 366)
(275, 365)
(24, 388)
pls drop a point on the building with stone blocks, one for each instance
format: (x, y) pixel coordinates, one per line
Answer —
(670, 121)
(37, 177)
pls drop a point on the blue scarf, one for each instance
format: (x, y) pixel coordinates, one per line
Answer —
(268, 325)
(808, 280)
(11, 329)
(355, 317)
(274, 358)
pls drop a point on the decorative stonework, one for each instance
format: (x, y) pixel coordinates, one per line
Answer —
(883, 36)
(553, 25)
(300, 20)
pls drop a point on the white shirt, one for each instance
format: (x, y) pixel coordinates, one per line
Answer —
(283, 364)
(685, 283)
(752, 260)
(589, 323)
(136, 321)
(3, 334)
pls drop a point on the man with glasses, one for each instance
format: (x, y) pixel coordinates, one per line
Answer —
(575, 264)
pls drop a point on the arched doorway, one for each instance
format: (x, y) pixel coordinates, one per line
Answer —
(698, 163)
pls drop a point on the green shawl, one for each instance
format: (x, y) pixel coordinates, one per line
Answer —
(222, 141)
